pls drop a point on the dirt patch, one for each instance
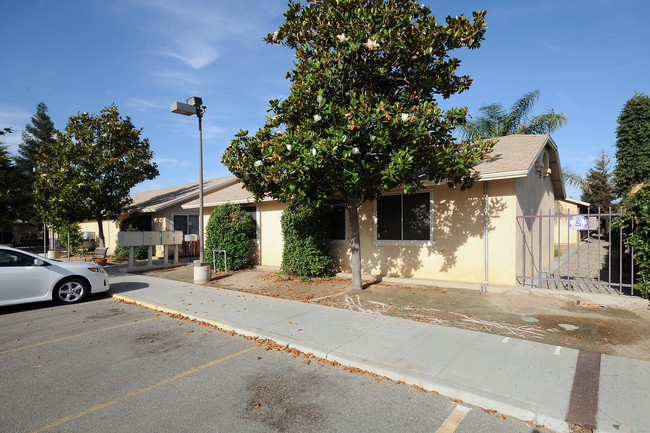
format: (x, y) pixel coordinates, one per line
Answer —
(609, 330)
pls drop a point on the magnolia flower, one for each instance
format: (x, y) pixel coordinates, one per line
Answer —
(342, 37)
(372, 138)
(372, 44)
(258, 163)
(319, 98)
(355, 150)
(317, 118)
(405, 117)
(289, 147)
(275, 35)
(313, 151)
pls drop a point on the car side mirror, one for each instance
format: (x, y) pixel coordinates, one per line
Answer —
(38, 262)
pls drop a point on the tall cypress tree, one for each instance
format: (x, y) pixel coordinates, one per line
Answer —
(599, 190)
(39, 133)
(632, 144)
(8, 184)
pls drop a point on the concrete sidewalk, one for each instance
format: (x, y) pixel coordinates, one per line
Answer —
(527, 380)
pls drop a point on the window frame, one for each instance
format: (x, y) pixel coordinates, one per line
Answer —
(346, 222)
(257, 220)
(405, 243)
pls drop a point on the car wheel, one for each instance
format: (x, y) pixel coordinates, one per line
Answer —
(70, 291)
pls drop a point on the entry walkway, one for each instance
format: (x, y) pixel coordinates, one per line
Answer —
(527, 380)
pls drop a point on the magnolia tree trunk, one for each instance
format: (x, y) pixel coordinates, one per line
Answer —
(100, 233)
(355, 246)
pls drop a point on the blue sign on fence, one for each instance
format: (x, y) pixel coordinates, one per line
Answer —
(579, 222)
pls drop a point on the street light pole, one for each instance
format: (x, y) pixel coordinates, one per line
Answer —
(194, 105)
(199, 114)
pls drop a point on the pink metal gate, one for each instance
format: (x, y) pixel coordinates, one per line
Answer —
(590, 257)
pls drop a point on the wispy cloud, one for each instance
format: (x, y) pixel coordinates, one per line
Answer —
(173, 162)
(139, 104)
(191, 31)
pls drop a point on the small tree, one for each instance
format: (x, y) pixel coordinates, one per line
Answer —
(306, 240)
(72, 232)
(635, 225)
(632, 144)
(598, 189)
(362, 117)
(88, 172)
(229, 228)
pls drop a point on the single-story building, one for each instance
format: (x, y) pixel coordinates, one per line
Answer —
(438, 233)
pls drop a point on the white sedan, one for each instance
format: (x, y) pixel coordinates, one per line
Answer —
(26, 277)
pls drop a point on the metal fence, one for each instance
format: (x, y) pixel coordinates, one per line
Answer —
(565, 251)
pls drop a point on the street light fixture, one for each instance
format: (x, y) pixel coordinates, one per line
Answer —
(193, 106)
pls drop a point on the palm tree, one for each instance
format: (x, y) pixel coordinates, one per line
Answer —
(495, 121)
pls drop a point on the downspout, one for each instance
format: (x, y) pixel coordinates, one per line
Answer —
(486, 226)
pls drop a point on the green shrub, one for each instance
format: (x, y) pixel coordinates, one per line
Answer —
(635, 224)
(75, 236)
(306, 235)
(229, 228)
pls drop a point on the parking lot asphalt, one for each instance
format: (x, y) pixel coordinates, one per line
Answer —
(530, 381)
(106, 366)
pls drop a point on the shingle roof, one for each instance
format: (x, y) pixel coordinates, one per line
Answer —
(513, 156)
(234, 193)
(158, 199)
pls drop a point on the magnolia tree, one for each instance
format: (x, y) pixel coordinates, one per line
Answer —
(362, 116)
(88, 171)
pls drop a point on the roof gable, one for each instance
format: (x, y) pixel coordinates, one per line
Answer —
(515, 156)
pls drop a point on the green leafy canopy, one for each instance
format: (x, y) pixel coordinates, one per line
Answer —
(89, 170)
(362, 115)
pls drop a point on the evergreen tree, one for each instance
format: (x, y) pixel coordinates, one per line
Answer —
(598, 189)
(632, 144)
(8, 184)
(38, 134)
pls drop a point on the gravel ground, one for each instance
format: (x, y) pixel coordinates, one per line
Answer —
(586, 268)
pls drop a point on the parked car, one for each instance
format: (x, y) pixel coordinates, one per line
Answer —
(26, 277)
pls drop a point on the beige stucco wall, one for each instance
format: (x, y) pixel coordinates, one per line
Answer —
(269, 233)
(110, 232)
(535, 195)
(457, 253)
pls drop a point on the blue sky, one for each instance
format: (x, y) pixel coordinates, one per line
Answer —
(585, 56)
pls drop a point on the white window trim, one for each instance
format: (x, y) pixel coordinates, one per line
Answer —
(406, 243)
(187, 214)
(346, 240)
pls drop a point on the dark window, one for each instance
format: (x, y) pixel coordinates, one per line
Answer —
(11, 258)
(252, 212)
(337, 224)
(404, 217)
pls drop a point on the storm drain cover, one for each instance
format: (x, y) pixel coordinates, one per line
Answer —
(568, 327)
